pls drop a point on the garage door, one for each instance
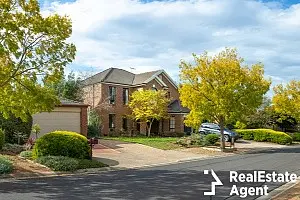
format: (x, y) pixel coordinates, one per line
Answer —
(60, 119)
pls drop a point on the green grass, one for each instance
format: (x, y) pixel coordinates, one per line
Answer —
(164, 143)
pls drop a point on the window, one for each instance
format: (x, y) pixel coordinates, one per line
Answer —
(169, 95)
(172, 124)
(112, 95)
(125, 96)
(125, 124)
(112, 121)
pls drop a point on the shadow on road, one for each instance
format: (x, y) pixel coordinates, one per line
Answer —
(131, 185)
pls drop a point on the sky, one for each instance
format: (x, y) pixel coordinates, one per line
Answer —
(149, 35)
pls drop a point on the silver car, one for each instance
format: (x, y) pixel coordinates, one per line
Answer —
(211, 128)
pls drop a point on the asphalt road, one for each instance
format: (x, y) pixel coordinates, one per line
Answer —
(178, 181)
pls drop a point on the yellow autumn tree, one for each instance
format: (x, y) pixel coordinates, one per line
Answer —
(221, 88)
(148, 105)
(286, 99)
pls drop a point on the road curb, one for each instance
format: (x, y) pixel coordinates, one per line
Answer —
(278, 191)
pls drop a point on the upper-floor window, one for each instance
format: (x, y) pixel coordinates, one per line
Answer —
(112, 95)
(125, 96)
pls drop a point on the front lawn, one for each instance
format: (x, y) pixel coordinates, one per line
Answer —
(164, 143)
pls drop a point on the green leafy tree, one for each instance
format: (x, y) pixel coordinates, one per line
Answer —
(33, 51)
(149, 105)
(68, 88)
(94, 124)
(286, 99)
(221, 88)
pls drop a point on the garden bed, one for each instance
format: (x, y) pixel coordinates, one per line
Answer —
(25, 168)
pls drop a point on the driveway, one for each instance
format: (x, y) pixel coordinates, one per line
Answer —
(130, 155)
(182, 181)
(123, 155)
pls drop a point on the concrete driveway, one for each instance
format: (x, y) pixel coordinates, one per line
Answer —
(130, 155)
(125, 155)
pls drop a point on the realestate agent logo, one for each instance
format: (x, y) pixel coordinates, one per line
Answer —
(213, 184)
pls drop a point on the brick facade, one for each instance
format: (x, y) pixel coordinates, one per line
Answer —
(97, 95)
(83, 121)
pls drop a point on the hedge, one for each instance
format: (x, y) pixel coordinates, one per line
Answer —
(59, 163)
(62, 143)
(211, 139)
(62, 163)
(296, 137)
(265, 135)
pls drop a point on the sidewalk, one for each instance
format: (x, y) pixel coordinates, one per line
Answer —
(292, 193)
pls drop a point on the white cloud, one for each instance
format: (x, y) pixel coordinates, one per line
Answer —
(148, 36)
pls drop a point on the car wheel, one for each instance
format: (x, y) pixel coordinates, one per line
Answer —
(226, 138)
(202, 132)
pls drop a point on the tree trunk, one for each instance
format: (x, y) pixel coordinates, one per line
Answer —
(222, 133)
(149, 128)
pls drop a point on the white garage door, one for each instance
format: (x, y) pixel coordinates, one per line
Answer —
(61, 118)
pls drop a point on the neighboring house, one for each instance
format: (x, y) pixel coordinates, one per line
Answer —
(109, 91)
(68, 116)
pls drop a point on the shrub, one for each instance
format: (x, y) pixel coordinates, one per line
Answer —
(62, 143)
(194, 139)
(211, 139)
(93, 131)
(265, 135)
(62, 163)
(26, 154)
(296, 137)
(15, 129)
(94, 124)
(6, 165)
(59, 163)
(12, 149)
(2, 138)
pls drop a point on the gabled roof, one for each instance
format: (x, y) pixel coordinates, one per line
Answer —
(120, 76)
(176, 107)
(143, 77)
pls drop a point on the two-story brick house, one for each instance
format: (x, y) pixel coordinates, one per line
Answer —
(109, 91)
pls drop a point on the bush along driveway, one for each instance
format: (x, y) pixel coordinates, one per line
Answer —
(50, 156)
